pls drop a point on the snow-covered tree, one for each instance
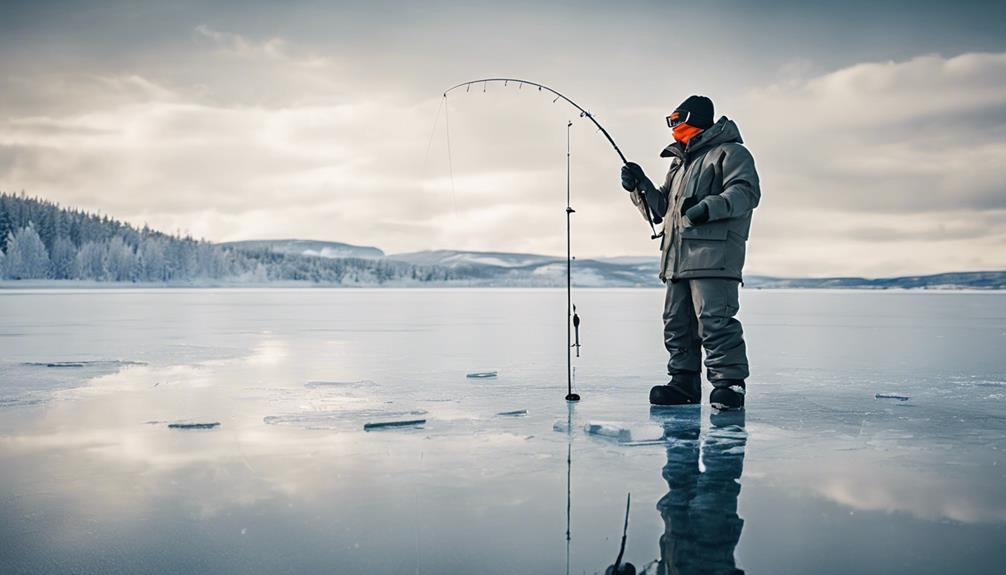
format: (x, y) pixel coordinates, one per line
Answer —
(89, 264)
(152, 260)
(120, 261)
(61, 259)
(27, 257)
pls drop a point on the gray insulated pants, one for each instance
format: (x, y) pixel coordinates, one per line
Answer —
(699, 313)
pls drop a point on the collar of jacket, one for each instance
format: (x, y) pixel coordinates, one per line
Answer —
(723, 131)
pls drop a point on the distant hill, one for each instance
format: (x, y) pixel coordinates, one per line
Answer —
(454, 258)
(533, 270)
(944, 281)
(309, 248)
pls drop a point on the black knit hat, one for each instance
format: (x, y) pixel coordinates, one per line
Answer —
(698, 110)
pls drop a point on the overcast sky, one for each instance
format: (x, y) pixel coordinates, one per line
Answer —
(878, 128)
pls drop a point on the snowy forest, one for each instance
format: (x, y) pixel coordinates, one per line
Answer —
(42, 240)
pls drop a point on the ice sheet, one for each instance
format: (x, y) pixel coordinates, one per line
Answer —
(817, 477)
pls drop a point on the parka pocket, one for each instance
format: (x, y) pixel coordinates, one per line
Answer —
(703, 248)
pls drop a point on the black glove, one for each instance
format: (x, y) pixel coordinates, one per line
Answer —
(698, 214)
(633, 178)
(632, 174)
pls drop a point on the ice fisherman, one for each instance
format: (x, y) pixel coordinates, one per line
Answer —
(706, 203)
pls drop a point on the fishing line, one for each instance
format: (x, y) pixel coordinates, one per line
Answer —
(429, 146)
(450, 155)
(651, 218)
(433, 131)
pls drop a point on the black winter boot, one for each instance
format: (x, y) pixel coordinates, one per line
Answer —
(683, 389)
(727, 394)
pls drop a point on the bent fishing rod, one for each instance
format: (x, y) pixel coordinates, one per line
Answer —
(651, 218)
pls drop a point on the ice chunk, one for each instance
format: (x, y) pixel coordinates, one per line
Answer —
(331, 384)
(897, 396)
(515, 413)
(334, 419)
(482, 375)
(98, 363)
(206, 425)
(393, 424)
(561, 426)
(609, 430)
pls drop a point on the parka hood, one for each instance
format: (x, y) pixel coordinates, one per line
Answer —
(723, 131)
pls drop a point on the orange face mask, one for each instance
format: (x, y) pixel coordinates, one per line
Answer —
(684, 132)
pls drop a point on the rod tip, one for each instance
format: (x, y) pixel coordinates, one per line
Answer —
(573, 397)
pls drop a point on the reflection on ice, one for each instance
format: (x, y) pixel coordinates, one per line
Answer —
(701, 525)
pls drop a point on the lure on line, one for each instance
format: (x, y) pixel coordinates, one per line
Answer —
(576, 328)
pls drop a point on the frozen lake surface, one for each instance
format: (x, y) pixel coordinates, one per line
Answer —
(820, 475)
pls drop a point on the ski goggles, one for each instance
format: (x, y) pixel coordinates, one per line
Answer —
(677, 117)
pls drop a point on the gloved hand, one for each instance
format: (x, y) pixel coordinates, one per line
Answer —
(632, 174)
(698, 214)
(633, 178)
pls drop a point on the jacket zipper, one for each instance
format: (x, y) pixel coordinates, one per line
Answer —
(678, 198)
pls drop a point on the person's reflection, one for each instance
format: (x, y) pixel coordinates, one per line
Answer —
(701, 525)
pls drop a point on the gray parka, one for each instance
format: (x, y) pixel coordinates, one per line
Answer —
(714, 168)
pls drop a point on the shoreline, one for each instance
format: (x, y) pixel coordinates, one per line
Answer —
(84, 285)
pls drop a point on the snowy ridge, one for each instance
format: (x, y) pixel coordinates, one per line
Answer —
(454, 258)
(309, 248)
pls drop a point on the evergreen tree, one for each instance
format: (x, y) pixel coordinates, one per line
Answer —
(6, 219)
(153, 262)
(61, 259)
(27, 257)
(120, 261)
(89, 263)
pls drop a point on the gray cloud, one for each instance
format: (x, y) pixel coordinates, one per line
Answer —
(241, 131)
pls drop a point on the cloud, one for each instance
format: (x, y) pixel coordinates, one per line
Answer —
(276, 49)
(897, 137)
(871, 169)
(882, 168)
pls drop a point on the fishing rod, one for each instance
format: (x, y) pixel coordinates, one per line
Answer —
(572, 319)
(651, 218)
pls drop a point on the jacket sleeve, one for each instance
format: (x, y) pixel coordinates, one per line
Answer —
(656, 198)
(741, 190)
